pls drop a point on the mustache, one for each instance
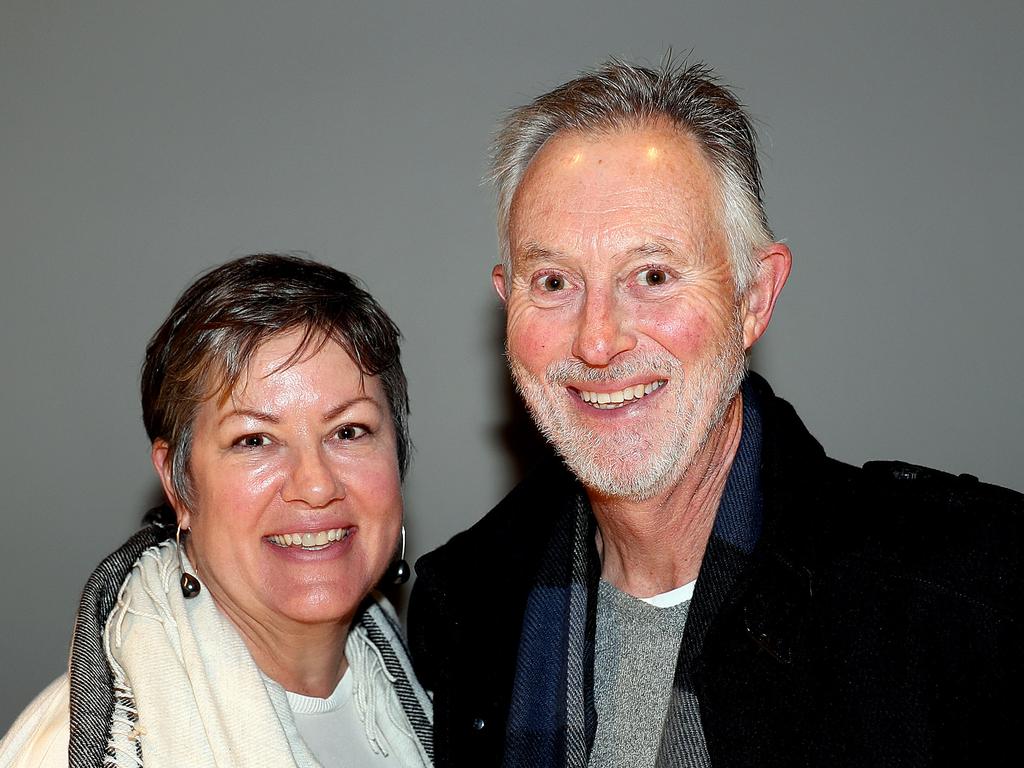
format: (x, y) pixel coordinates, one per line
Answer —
(564, 371)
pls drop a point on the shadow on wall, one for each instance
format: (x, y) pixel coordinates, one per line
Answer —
(522, 446)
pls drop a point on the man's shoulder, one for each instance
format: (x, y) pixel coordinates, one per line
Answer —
(893, 519)
(913, 489)
(916, 502)
(934, 486)
(880, 490)
(951, 533)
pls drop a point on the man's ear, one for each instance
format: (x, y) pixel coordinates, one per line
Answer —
(160, 456)
(774, 265)
(498, 281)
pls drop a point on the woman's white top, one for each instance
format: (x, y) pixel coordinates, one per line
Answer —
(332, 729)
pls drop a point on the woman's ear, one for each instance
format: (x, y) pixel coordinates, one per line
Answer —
(160, 456)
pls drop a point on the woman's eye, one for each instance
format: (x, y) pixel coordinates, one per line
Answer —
(253, 441)
(351, 432)
(551, 283)
(653, 276)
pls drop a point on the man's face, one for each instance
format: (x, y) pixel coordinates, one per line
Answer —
(625, 336)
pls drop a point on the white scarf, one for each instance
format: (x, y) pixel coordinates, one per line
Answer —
(187, 691)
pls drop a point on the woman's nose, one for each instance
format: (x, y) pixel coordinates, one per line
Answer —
(311, 479)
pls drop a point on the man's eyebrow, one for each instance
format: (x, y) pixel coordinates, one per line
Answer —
(650, 249)
(531, 253)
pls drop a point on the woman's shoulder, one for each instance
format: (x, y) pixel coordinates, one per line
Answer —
(39, 737)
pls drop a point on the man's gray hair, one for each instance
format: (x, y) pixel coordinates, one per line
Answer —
(619, 95)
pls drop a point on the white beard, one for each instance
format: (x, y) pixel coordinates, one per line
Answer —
(639, 462)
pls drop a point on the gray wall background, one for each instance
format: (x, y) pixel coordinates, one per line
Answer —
(142, 142)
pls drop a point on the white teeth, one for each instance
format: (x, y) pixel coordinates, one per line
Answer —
(310, 540)
(608, 400)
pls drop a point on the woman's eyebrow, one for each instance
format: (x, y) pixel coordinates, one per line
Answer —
(339, 409)
(251, 413)
(271, 418)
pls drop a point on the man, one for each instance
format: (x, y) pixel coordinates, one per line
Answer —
(697, 584)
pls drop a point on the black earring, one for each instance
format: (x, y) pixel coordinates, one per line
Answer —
(190, 585)
(398, 572)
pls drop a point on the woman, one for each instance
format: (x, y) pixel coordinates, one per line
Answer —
(243, 628)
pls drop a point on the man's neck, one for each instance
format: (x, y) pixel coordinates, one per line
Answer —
(652, 546)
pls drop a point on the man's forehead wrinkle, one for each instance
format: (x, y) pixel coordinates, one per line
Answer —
(625, 200)
(619, 242)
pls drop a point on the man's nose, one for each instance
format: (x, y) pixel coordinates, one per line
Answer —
(604, 329)
(311, 478)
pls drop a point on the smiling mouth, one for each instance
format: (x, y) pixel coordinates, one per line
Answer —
(311, 540)
(606, 401)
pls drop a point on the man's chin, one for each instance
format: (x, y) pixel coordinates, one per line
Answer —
(636, 467)
(637, 477)
(632, 467)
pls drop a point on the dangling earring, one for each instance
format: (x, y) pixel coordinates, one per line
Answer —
(398, 571)
(190, 585)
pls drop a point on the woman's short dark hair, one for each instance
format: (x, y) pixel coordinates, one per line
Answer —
(205, 344)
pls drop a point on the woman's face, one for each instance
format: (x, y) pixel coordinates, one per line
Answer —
(297, 499)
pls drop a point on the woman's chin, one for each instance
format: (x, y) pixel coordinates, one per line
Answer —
(322, 598)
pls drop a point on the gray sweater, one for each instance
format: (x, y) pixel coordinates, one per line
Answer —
(635, 652)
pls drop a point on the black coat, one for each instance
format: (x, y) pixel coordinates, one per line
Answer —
(878, 623)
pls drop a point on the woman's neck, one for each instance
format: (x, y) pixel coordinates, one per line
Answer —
(302, 658)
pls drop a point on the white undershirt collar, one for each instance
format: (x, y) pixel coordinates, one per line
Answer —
(312, 705)
(673, 597)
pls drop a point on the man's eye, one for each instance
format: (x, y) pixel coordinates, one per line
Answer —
(653, 276)
(551, 283)
(253, 441)
(351, 432)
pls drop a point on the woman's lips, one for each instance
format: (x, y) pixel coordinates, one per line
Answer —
(311, 540)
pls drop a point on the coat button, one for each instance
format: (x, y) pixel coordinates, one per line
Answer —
(478, 724)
